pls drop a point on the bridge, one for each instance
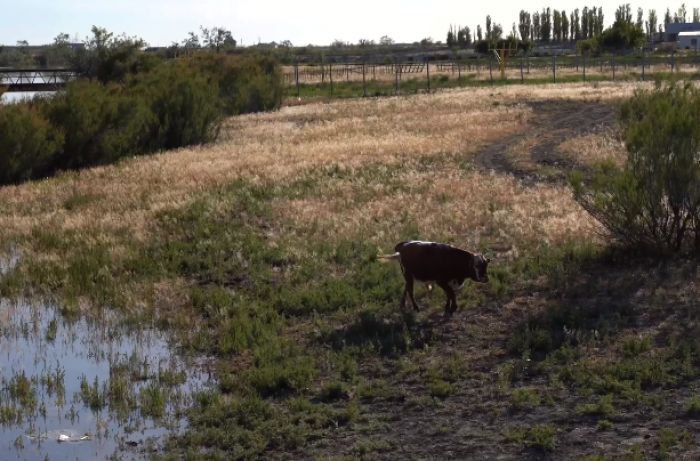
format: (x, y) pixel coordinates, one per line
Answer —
(15, 80)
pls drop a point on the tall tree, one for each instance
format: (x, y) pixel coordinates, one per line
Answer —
(488, 27)
(696, 14)
(451, 37)
(536, 27)
(464, 37)
(599, 22)
(479, 33)
(564, 26)
(218, 38)
(557, 25)
(667, 17)
(546, 25)
(640, 18)
(682, 13)
(524, 25)
(652, 22)
(496, 33)
(584, 23)
(623, 14)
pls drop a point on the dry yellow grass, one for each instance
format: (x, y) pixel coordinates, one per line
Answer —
(120, 201)
(592, 149)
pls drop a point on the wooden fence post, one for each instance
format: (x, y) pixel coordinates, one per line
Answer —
(522, 77)
(491, 68)
(427, 69)
(296, 73)
(673, 61)
(364, 83)
(396, 76)
(330, 73)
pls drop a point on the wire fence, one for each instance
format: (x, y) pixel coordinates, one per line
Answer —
(339, 79)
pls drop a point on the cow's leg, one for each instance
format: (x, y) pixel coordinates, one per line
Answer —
(409, 290)
(451, 304)
(403, 296)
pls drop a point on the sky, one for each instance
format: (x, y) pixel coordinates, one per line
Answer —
(303, 22)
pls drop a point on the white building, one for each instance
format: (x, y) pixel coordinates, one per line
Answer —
(688, 40)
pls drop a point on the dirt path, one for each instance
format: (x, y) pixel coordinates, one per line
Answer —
(552, 123)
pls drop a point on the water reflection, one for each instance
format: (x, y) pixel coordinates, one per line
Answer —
(19, 96)
(87, 389)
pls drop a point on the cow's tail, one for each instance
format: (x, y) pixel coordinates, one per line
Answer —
(385, 258)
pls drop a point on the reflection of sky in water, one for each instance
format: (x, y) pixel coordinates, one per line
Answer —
(81, 348)
(7, 98)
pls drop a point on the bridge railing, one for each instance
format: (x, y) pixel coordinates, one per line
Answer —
(35, 79)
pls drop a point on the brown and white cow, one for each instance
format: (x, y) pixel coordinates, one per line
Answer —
(447, 266)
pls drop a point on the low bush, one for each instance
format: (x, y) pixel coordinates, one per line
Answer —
(28, 143)
(653, 203)
(184, 104)
(247, 83)
(101, 124)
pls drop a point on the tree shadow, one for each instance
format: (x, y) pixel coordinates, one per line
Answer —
(599, 296)
(388, 333)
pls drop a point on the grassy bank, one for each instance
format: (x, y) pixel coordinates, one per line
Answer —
(259, 252)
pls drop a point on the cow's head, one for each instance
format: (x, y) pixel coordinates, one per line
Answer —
(481, 264)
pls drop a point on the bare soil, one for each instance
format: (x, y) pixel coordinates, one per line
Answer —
(552, 123)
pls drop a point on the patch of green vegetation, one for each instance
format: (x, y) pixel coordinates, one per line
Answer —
(541, 437)
(51, 330)
(92, 395)
(668, 439)
(692, 406)
(603, 407)
(525, 399)
(604, 425)
(440, 389)
(153, 400)
(632, 347)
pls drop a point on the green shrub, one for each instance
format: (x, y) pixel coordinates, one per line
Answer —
(28, 143)
(692, 406)
(184, 103)
(248, 83)
(539, 437)
(101, 124)
(525, 399)
(604, 407)
(653, 203)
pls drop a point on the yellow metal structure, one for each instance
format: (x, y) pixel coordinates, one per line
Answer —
(502, 55)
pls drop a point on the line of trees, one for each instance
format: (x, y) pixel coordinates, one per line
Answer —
(552, 25)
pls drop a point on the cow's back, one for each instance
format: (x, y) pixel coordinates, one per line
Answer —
(432, 261)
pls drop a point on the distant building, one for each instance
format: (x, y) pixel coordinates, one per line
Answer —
(688, 40)
(673, 29)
